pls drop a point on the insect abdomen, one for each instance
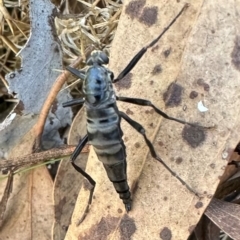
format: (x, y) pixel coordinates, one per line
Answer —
(105, 135)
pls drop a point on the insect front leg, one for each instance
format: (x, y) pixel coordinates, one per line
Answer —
(74, 102)
(139, 55)
(139, 128)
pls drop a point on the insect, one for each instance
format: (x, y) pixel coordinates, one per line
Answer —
(103, 120)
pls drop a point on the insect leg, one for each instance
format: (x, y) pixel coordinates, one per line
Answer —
(144, 102)
(138, 127)
(139, 55)
(74, 102)
(76, 72)
(76, 152)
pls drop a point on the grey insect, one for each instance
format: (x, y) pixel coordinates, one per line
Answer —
(103, 120)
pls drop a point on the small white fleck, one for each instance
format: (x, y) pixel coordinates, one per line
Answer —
(224, 155)
(201, 107)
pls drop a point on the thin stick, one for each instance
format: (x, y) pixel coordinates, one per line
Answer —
(35, 158)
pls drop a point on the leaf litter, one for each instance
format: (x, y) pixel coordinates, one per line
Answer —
(178, 56)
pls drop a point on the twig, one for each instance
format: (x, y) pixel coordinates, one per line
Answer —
(35, 158)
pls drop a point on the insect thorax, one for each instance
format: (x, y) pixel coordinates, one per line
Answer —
(97, 86)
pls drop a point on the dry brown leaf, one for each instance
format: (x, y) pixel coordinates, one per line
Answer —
(68, 181)
(206, 230)
(197, 60)
(29, 213)
(226, 216)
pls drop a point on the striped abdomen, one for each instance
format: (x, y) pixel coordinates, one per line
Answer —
(105, 135)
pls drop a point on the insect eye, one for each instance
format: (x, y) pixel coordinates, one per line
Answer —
(103, 58)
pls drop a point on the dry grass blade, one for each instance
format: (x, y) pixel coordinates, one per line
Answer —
(94, 25)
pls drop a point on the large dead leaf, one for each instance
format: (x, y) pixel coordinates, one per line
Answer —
(29, 212)
(226, 216)
(68, 181)
(197, 60)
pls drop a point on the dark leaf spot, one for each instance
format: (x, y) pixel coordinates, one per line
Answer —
(100, 230)
(166, 234)
(212, 165)
(167, 52)
(157, 69)
(127, 227)
(206, 87)
(160, 143)
(129, 112)
(173, 96)
(198, 205)
(149, 111)
(236, 54)
(137, 145)
(149, 15)
(133, 8)
(193, 94)
(179, 160)
(193, 135)
(200, 81)
(125, 83)
(154, 48)
(120, 210)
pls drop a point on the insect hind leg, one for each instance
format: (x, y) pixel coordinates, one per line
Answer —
(144, 102)
(139, 128)
(76, 152)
